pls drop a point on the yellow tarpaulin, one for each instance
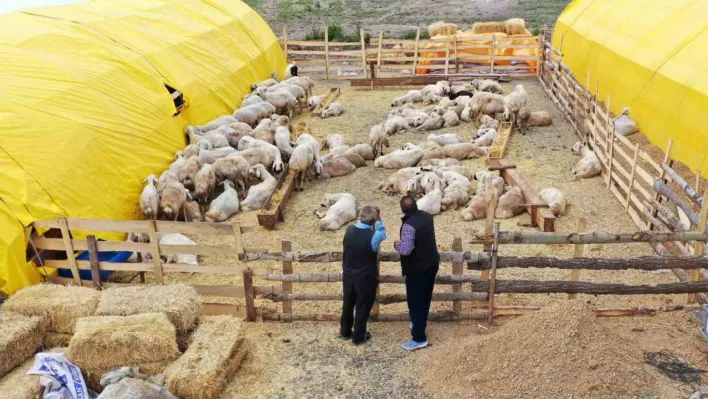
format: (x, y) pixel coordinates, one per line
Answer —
(85, 114)
(651, 55)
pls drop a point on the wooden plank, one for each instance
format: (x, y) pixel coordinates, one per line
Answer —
(230, 291)
(416, 52)
(287, 286)
(630, 186)
(662, 175)
(93, 261)
(71, 258)
(329, 98)
(585, 287)
(578, 252)
(700, 245)
(86, 265)
(363, 51)
(498, 147)
(384, 278)
(457, 269)
(646, 263)
(530, 237)
(493, 274)
(492, 55)
(326, 43)
(447, 58)
(269, 219)
(378, 60)
(216, 309)
(154, 243)
(249, 294)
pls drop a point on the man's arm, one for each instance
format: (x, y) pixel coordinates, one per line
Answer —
(407, 244)
(379, 236)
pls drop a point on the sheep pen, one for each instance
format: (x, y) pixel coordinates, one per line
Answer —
(543, 157)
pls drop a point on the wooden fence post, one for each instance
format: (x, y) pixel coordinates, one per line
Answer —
(539, 62)
(457, 270)
(447, 57)
(156, 260)
(457, 60)
(248, 291)
(631, 177)
(375, 309)
(287, 286)
(285, 42)
(662, 175)
(579, 249)
(93, 259)
(492, 56)
(493, 279)
(700, 245)
(238, 238)
(378, 61)
(488, 229)
(415, 54)
(363, 53)
(326, 34)
(69, 247)
(610, 157)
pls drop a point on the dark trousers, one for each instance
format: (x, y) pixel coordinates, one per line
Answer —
(419, 293)
(359, 294)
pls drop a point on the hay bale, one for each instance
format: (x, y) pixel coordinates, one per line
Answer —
(213, 357)
(179, 302)
(20, 337)
(442, 28)
(109, 342)
(54, 340)
(515, 26)
(489, 27)
(18, 385)
(59, 305)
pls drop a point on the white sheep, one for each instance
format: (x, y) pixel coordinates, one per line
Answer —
(431, 202)
(301, 163)
(444, 105)
(223, 206)
(250, 99)
(192, 212)
(466, 115)
(248, 142)
(313, 102)
(434, 122)
(555, 200)
(413, 96)
(312, 142)
(431, 150)
(235, 168)
(337, 166)
(172, 199)
(589, 165)
(149, 198)
(176, 165)
(401, 109)
(463, 151)
(214, 139)
(423, 183)
(354, 158)
(220, 121)
(378, 139)
(341, 209)
(189, 170)
(399, 159)
(257, 194)
(398, 181)
(336, 151)
(190, 150)
(264, 124)
(166, 178)
(540, 118)
(445, 139)
(510, 204)
(477, 207)
(489, 181)
(440, 162)
(464, 171)
(305, 82)
(487, 85)
(334, 109)
(484, 103)
(253, 113)
(485, 137)
(333, 141)
(204, 182)
(365, 151)
(451, 119)
(624, 125)
(456, 191)
(210, 156)
(283, 101)
(514, 102)
(280, 121)
(298, 92)
(395, 124)
(255, 156)
(486, 121)
(266, 135)
(267, 83)
(178, 239)
(282, 141)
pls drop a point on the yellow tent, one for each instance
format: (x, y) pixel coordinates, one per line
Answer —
(651, 56)
(85, 112)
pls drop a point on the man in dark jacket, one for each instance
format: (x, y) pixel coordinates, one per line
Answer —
(420, 261)
(360, 274)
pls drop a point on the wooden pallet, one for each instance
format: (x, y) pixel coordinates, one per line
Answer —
(498, 147)
(329, 99)
(270, 213)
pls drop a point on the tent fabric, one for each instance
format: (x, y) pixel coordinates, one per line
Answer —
(85, 114)
(650, 55)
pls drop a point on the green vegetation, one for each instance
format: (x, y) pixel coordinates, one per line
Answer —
(411, 34)
(255, 4)
(337, 34)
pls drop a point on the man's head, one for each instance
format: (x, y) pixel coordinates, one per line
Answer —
(368, 214)
(408, 205)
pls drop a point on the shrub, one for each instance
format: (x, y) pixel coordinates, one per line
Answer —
(411, 34)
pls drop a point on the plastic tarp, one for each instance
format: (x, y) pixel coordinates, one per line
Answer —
(85, 115)
(651, 55)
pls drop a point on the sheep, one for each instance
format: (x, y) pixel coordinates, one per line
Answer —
(305, 82)
(337, 166)
(336, 151)
(210, 156)
(484, 103)
(416, 119)
(301, 163)
(399, 110)
(395, 124)
(488, 181)
(486, 121)
(312, 142)
(487, 85)
(234, 167)
(176, 165)
(522, 120)
(267, 83)
(250, 99)
(434, 122)
(397, 182)
(510, 204)
(354, 158)
(540, 118)
(461, 100)
(150, 199)
(257, 194)
(192, 213)
(456, 192)
(189, 171)
(264, 124)
(235, 131)
(280, 121)
(423, 183)
(378, 139)
(477, 207)
(341, 209)
(166, 178)
(190, 150)
(334, 109)
(462, 170)
(451, 119)
(431, 202)
(178, 239)
(365, 151)
(313, 102)
(437, 162)
(485, 137)
(463, 151)
(432, 92)
(442, 107)
(624, 125)
(253, 113)
(431, 150)
(282, 141)
(332, 141)
(555, 200)
(466, 114)
(204, 182)
(589, 165)
(291, 70)
(255, 156)
(223, 206)
(444, 139)
(248, 142)
(172, 199)
(514, 102)
(399, 159)
(413, 96)
(220, 121)
(283, 101)
(296, 91)
(264, 135)
(215, 140)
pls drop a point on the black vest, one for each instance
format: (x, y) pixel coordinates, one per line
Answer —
(358, 258)
(425, 253)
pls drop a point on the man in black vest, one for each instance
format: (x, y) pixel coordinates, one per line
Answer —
(360, 274)
(420, 261)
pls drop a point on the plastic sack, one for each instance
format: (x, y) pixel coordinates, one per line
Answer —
(60, 378)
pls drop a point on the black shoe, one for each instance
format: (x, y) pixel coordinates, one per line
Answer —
(367, 338)
(344, 337)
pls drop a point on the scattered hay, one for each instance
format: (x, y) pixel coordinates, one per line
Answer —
(18, 385)
(214, 355)
(54, 340)
(20, 337)
(442, 28)
(515, 26)
(108, 342)
(59, 305)
(489, 27)
(179, 302)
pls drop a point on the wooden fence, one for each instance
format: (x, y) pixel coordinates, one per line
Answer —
(392, 57)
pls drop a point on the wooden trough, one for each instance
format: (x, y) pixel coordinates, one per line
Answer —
(272, 210)
(329, 99)
(498, 147)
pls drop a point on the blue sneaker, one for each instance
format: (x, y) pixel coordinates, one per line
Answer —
(413, 345)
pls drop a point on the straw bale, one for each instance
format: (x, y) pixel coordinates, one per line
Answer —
(442, 28)
(108, 342)
(18, 385)
(92, 376)
(20, 337)
(59, 305)
(489, 27)
(515, 26)
(213, 357)
(53, 340)
(179, 302)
